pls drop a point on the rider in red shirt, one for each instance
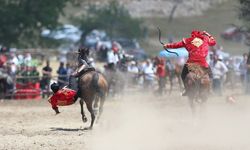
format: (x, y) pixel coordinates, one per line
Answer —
(161, 74)
(197, 46)
(61, 97)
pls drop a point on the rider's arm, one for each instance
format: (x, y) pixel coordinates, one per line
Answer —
(175, 45)
(211, 40)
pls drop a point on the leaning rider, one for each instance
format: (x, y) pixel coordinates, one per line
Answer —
(61, 97)
(84, 65)
(197, 46)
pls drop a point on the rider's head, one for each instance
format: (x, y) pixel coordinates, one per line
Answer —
(83, 51)
(54, 87)
(196, 33)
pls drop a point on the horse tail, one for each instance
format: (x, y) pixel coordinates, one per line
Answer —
(95, 84)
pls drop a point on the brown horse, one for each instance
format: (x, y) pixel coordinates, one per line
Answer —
(198, 85)
(93, 87)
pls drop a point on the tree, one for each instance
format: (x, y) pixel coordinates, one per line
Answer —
(244, 11)
(22, 21)
(113, 18)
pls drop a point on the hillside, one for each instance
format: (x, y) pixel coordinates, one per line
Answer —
(159, 8)
(211, 15)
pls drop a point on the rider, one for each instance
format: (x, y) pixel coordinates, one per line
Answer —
(61, 97)
(83, 65)
(197, 46)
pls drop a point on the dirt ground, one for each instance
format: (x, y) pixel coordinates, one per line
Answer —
(136, 121)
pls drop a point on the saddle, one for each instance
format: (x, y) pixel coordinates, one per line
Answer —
(196, 72)
(85, 70)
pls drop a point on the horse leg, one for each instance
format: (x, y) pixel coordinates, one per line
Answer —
(84, 118)
(171, 84)
(192, 105)
(96, 101)
(91, 111)
(101, 106)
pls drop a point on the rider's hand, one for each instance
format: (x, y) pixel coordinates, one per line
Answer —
(206, 33)
(165, 46)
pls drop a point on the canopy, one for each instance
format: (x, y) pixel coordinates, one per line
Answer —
(182, 52)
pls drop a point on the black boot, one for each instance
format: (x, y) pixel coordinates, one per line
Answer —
(56, 110)
(78, 93)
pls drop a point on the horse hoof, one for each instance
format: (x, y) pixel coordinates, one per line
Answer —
(84, 119)
(88, 128)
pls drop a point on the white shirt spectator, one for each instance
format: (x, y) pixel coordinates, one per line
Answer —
(27, 58)
(132, 68)
(148, 71)
(14, 59)
(111, 57)
(219, 69)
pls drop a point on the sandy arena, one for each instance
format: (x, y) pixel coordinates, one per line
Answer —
(135, 122)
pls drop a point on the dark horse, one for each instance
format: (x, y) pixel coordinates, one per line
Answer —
(198, 85)
(94, 88)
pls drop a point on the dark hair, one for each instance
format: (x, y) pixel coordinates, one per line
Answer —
(54, 87)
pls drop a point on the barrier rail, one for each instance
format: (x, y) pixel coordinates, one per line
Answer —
(27, 89)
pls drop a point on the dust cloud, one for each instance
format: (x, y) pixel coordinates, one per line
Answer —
(146, 122)
(135, 121)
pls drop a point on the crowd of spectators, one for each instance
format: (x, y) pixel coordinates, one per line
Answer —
(16, 70)
(160, 74)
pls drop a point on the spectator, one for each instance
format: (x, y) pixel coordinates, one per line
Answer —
(34, 74)
(230, 77)
(112, 59)
(69, 71)
(170, 72)
(62, 75)
(161, 74)
(20, 59)
(248, 75)
(219, 69)
(243, 69)
(27, 59)
(133, 71)
(14, 59)
(46, 77)
(148, 73)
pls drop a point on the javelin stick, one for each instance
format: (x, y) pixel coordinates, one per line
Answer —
(159, 31)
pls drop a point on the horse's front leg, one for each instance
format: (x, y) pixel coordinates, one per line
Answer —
(84, 118)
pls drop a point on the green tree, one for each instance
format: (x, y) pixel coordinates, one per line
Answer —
(113, 18)
(244, 11)
(22, 21)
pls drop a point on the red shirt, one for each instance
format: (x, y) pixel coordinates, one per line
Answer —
(197, 46)
(62, 97)
(160, 71)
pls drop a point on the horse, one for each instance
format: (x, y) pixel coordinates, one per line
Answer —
(116, 81)
(93, 90)
(198, 85)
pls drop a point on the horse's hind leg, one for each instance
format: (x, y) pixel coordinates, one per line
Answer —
(101, 107)
(192, 105)
(84, 118)
(96, 102)
(91, 111)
